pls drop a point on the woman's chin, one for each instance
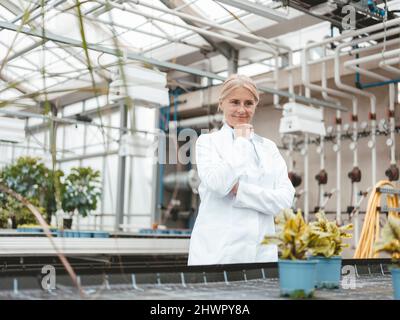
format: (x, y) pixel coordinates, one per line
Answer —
(238, 121)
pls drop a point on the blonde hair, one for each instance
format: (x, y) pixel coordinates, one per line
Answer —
(238, 81)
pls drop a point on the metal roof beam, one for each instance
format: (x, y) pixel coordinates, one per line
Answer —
(162, 64)
(224, 48)
(256, 9)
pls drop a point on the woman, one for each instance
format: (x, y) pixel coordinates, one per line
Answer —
(244, 184)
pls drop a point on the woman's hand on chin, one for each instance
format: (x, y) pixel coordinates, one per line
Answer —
(243, 130)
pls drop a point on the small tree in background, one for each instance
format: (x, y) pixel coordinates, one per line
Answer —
(81, 191)
(30, 178)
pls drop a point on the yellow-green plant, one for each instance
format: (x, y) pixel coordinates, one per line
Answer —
(326, 237)
(292, 235)
(390, 239)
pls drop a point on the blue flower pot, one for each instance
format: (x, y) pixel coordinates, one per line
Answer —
(328, 271)
(297, 278)
(100, 234)
(396, 282)
(85, 234)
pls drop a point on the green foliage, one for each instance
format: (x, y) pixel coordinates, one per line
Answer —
(295, 238)
(326, 237)
(28, 176)
(81, 191)
(299, 294)
(3, 218)
(390, 239)
(33, 180)
(292, 236)
(17, 212)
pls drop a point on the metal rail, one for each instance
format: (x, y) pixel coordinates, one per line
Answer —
(47, 35)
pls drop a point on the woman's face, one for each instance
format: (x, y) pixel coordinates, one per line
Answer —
(238, 107)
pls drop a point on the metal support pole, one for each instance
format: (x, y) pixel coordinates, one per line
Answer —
(233, 62)
(119, 215)
(157, 187)
(306, 174)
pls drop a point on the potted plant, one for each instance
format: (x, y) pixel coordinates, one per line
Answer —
(14, 214)
(30, 178)
(296, 273)
(81, 192)
(326, 245)
(390, 243)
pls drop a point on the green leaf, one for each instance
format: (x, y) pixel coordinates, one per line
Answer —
(390, 238)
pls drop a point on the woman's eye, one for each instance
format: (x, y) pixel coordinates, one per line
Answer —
(235, 102)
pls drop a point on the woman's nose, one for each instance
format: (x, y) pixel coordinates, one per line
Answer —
(242, 109)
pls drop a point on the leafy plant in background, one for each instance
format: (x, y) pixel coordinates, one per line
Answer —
(17, 213)
(33, 180)
(390, 239)
(292, 236)
(29, 177)
(81, 191)
(326, 237)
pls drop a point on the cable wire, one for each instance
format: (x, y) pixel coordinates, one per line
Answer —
(371, 228)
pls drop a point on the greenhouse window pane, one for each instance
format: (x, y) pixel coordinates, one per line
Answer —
(34, 121)
(40, 83)
(124, 18)
(74, 62)
(74, 138)
(254, 69)
(171, 30)
(17, 41)
(137, 40)
(9, 94)
(298, 39)
(13, 70)
(5, 14)
(214, 10)
(95, 103)
(147, 118)
(72, 109)
(67, 24)
(24, 63)
(159, 14)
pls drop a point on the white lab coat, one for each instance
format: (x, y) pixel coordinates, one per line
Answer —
(228, 228)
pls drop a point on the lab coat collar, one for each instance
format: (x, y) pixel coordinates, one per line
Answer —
(226, 132)
(228, 129)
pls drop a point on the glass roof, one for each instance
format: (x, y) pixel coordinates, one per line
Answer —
(32, 67)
